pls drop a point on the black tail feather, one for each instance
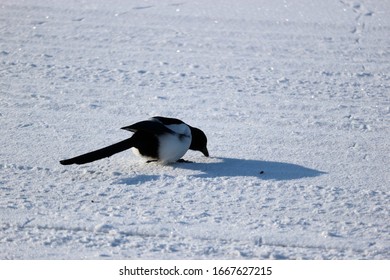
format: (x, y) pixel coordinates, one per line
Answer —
(101, 153)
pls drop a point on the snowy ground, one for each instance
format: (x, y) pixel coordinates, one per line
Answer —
(297, 89)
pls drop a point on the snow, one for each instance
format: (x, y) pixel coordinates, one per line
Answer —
(293, 96)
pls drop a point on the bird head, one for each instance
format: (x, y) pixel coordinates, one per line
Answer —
(199, 141)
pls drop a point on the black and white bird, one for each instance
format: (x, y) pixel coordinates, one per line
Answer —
(159, 139)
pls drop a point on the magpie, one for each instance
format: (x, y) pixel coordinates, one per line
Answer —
(159, 139)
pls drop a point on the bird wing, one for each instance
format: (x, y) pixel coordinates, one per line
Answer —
(150, 126)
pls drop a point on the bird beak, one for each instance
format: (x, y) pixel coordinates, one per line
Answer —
(205, 151)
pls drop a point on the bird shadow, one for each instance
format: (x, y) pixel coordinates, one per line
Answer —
(234, 167)
(266, 170)
(137, 179)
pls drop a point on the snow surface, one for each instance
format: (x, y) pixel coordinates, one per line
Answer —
(293, 96)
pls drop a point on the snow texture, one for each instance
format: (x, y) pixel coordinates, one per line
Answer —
(293, 96)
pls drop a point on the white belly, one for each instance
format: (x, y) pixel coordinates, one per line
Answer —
(173, 147)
